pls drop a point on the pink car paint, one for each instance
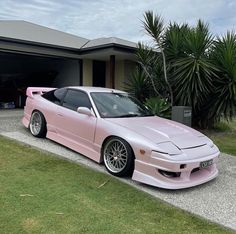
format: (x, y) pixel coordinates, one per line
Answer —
(159, 145)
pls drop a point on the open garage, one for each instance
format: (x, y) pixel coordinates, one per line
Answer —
(18, 71)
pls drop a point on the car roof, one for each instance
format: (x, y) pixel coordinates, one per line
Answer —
(90, 89)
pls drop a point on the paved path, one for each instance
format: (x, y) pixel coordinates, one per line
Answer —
(215, 200)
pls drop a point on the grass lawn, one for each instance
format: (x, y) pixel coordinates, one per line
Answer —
(42, 194)
(224, 136)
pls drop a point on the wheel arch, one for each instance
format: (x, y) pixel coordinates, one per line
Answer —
(44, 119)
(34, 110)
(108, 138)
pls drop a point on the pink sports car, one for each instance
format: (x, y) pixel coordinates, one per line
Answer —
(110, 126)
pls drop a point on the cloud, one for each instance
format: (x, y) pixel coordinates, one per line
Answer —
(105, 18)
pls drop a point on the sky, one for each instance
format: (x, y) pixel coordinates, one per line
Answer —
(122, 18)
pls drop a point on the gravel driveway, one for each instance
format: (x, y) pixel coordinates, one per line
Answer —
(214, 201)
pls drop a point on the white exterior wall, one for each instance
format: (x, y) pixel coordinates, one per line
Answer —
(129, 67)
(123, 70)
(119, 74)
(87, 72)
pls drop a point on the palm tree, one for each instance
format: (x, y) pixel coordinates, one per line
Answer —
(152, 67)
(187, 66)
(193, 71)
(223, 103)
(138, 85)
(154, 27)
(174, 41)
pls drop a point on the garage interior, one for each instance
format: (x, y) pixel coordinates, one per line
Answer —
(19, 71)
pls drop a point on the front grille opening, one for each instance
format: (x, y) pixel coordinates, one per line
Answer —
(195, 170)
(169, 174)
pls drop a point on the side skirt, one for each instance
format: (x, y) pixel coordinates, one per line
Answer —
(90, 153)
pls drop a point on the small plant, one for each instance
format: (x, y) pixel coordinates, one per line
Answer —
(159, 106)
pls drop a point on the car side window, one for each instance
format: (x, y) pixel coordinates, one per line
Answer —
(55, 96)
(75, 99)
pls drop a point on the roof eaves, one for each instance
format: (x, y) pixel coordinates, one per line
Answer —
(106, 46)
(38, 44)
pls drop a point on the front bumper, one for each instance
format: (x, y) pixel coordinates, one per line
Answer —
(188, 172)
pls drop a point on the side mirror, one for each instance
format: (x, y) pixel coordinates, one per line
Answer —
(84, 110)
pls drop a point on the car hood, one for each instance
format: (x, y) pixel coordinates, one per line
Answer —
(159, 130)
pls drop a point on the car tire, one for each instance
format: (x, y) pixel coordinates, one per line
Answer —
(37, 124)
(118, 157)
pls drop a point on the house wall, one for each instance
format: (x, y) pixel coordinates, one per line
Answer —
(123, 70)
(87, 72)
(119, 74)
(129, 67)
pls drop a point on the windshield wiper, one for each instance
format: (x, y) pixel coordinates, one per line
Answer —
(127, 115)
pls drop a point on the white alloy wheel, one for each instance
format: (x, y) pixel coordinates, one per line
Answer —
(118, 156)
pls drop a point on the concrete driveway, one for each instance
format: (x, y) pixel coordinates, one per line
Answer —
(215, 201)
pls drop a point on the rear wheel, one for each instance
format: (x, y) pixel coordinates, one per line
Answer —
(118, 157)
(37, 124)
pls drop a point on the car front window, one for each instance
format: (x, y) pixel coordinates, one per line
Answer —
(118, 105)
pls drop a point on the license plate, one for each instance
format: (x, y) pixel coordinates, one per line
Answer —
(206, 164)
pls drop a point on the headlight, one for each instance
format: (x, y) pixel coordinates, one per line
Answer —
(207, 141)
(168, 148)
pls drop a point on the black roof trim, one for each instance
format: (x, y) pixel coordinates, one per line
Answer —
(119, 47)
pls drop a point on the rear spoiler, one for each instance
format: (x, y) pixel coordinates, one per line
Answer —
(31, 91)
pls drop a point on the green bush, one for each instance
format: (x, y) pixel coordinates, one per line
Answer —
(159, 107)
(138, 85)
(187, 65)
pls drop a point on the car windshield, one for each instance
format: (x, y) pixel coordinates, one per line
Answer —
(119, 105)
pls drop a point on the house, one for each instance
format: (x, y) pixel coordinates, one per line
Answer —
(33, 55)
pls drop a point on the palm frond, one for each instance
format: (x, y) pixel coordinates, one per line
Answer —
(153, 25)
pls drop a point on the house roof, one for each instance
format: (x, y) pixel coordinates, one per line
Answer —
(26, 31)
(101, 42)
(18, 30)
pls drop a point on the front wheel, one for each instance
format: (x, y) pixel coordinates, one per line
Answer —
(37, 124)
(118, 157)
